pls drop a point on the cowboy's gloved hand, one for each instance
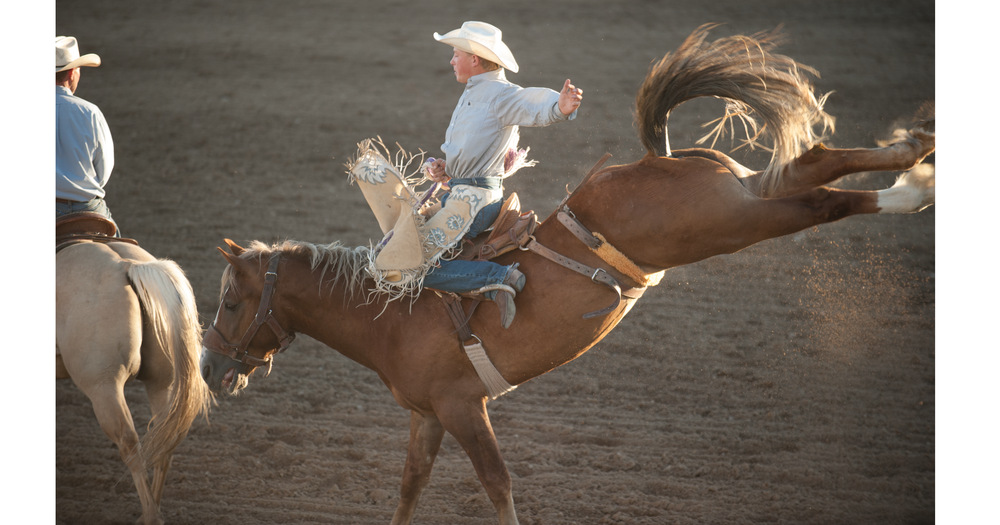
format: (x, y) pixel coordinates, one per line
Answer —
(570, 98)
(435, 170)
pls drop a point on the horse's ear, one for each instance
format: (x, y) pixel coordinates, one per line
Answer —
(237, 263)
(236, 248)
(234, 261)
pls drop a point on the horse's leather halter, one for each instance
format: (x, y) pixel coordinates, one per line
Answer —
(215, 342)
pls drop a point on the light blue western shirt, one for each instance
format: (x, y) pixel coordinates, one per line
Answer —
(484, 125)
(85, 153)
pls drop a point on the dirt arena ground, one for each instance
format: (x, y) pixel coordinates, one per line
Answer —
(793, 382)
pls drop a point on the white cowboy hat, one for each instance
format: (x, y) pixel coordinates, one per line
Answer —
(480, 39)
(68, 55)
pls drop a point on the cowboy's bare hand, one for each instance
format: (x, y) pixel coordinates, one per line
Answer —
(570, 98)
(435, 170)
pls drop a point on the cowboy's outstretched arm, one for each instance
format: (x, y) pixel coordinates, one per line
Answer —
(570, 98)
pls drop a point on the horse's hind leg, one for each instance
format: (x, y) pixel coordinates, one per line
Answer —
(769, 218)
(913, 191)
(822, 165)
(100, 360)
(426, 434)
(116, 421)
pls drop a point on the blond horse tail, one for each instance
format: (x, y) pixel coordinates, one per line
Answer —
(168, 304)
(769, 93)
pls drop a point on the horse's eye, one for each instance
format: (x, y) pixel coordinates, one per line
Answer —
(229, 307)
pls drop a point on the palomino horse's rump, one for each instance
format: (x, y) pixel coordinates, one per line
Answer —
(123, 314)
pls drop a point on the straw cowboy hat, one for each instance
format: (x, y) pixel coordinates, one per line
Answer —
(68, 55)
(480, 39)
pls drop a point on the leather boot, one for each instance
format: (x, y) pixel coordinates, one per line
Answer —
(505, 303)
(515, 279)
(505, 300)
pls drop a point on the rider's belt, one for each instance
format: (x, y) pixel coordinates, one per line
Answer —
(488, 183)
(69, 201)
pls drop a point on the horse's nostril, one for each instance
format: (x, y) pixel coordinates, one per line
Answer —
(206, 371)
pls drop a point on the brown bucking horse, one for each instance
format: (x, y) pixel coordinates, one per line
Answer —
(587, 263)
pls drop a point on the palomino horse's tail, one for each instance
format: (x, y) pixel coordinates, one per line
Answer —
(768, 92)
(168, 304)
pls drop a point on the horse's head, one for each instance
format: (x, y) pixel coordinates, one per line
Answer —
(245, 333)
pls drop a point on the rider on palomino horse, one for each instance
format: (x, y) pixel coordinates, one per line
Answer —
(85, 153)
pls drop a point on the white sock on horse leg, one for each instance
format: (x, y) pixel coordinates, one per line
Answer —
(912, 192)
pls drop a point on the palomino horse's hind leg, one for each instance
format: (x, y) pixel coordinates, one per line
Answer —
(116, 421)
(822, 165)
(426, 434)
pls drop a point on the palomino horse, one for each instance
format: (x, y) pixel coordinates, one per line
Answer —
(666, 210)
(122, 314)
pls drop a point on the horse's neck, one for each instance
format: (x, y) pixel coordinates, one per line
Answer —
(332, 316)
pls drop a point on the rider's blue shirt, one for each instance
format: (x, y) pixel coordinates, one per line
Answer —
(484, 125)
(85, 153)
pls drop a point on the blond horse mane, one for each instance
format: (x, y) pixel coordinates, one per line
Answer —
(769, 93)
(336, 263)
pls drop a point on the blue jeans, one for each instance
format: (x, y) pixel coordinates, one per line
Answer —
(464, 276)
(95, 205)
